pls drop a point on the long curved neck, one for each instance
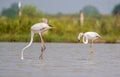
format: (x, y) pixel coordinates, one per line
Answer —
(79, 37)
(85, 40)
(32, 35)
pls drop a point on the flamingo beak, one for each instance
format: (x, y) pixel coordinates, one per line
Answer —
(51, 26)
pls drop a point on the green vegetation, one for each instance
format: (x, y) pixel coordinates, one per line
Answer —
(66, 27)
(116, 10)
(10, 12)
(90, 10)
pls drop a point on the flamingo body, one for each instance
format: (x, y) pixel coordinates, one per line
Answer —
(40, 27)
(89, 36)
(37, 28)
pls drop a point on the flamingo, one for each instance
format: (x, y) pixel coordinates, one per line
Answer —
(38, 28)
(89, 36)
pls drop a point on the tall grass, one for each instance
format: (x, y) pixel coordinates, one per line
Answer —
(66, 28)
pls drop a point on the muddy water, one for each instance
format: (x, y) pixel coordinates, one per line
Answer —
(60, 60)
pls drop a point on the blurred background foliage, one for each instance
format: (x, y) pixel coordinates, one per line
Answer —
(14, 28)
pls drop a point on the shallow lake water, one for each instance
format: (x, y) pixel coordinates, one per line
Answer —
(60, 60)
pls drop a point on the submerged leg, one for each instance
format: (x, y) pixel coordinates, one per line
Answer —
(32, 35)
(91, 47)
(42, 50)
(42, 47)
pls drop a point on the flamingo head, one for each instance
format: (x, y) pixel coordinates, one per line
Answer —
(80, 35)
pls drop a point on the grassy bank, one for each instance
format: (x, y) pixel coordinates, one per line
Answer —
(66, 28)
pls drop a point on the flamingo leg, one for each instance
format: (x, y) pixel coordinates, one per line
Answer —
(91, 47)
(43, 47)
(42, 50)
(32, 35)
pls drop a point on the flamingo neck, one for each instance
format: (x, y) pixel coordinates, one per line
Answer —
(79, 37)
(85, 40)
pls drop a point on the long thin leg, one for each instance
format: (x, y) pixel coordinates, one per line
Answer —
(42, 47)
(91, 46)
(32, 35)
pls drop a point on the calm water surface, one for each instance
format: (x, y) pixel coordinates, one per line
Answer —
(60, 60)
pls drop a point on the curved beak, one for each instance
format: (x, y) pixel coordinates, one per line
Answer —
(50, 25)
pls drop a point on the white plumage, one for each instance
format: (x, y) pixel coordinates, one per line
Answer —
(89, 36)
(38, 28)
